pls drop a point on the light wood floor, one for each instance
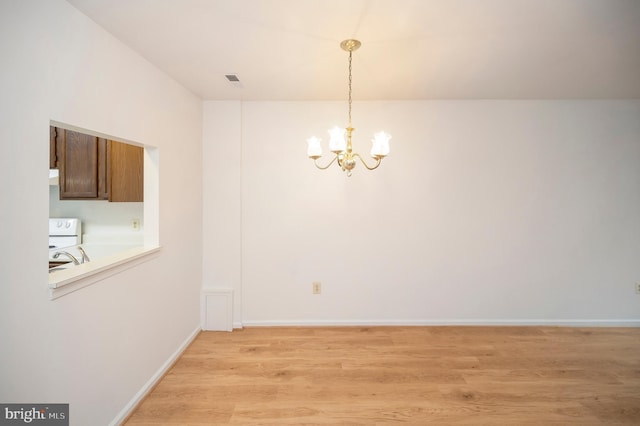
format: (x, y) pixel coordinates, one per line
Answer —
(402, 375)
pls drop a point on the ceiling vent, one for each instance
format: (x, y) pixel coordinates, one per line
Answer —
(234, 80)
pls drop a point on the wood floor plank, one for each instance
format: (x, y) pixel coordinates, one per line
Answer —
(402, 375)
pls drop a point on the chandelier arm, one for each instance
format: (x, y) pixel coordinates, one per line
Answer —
(315, 161)
(375, 166)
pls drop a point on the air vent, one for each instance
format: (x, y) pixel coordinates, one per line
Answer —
(234, 80)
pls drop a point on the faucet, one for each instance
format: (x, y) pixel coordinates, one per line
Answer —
(85, 258)
(72, 257)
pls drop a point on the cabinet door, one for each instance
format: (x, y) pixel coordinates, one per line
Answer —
(53, 156)
(78, 165)
(125, 172)
(103, 169)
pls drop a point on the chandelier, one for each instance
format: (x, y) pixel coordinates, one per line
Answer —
(340, 139)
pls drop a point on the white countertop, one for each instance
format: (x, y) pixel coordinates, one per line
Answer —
(73, 277)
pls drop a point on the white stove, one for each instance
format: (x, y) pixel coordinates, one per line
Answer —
(64, 232)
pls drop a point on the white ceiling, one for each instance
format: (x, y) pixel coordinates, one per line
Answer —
(411, 49)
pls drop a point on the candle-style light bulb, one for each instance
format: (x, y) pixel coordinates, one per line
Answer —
(337, 142)
(380, 145)
(314, 150)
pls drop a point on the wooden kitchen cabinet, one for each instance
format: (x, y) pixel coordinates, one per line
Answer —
(93, 168)
(53, 158)
(125, 181)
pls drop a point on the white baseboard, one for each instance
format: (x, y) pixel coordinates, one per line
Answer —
(453, 322)
(128, 409)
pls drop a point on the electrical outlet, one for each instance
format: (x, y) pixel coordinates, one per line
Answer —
(135, 224)
(316, 287)
(638, 288)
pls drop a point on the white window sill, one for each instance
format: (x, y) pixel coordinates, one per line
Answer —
(65, 281)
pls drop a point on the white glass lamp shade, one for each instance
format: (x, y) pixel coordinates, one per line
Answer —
(380, 145)
(337, 143)
(314, 150)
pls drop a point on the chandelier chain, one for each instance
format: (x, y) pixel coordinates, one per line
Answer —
(350, 54)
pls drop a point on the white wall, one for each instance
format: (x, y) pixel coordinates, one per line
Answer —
(100, 219)
(484, 212)
(222, 205)
(94, 348)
